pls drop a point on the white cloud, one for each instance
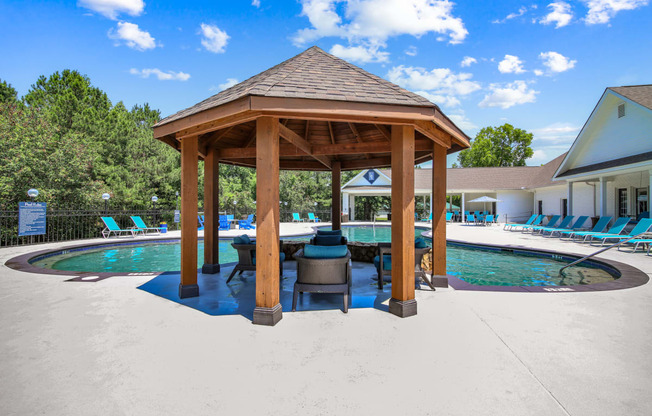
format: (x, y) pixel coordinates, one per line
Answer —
(601, 11)
(468, 61)
(440, 100)
(228, 83)
(508, 95)
(521, 11)
(360, 54)
(556, 62)
(132, 36)
(161, 75)
(371, 22)
(561, 14)
(213, 38)
(511, 65)
(461, 121)
(411, 51)
(112, 8)
(255, 3)
(538, 72)
(556, 134)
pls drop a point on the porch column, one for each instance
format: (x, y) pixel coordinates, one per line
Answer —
(268, 309)
(352, 207)
(403, 303)
(603, 196)
(439, 210)
(189, 166)
(336, 190)
(569, 198)
(433, 188)
(211, 212)
(463, 209)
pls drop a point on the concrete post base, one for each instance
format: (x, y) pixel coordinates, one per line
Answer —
(268, 316)
(188, 291)
(403, 308)
(210, 268)
(439, 280)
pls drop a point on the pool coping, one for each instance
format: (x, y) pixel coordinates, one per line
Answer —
(629, 276)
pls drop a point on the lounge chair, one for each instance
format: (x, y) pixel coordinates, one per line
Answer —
(456, 215)
(599, 227)
(617, 228)
(246, 248)
(496, 219)
(638, 241)
(112, 228)
(564, 224)
(139, 224)
(642, 227)
(430, 218)
(553, 221)
(575, 227)
(536, 223)
(528, 222)
(449, 216)
(312, 218)
(383, 262)
(245, 225)
(225, 225)
(200, 219)
(296, 218)
(323, 270)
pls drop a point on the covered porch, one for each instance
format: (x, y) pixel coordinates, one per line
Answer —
(312, 112)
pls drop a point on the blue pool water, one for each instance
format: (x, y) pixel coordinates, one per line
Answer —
(473, 265)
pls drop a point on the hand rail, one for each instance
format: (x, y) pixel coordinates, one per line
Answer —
(598, 252)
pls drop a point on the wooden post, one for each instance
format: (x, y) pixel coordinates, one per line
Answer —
(268, 309)
(438, 210)
(211, 212)
(336, 190)
(403, 303)
(189, 150)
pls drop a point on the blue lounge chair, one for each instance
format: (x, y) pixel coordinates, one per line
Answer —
(640, 228)
(537, 222)
(225, 225)
(528, 222)
(296, 218)
(200, 219)
(427, 220)
(139, 224)
(449, 216)
(617, 228)
(575, 227)
(496, 219)
(311, 217)
(565, 223)
(245, 225)
(112, 228)
(599, 227)
(456, 214)
(638, 241)
(553, 221)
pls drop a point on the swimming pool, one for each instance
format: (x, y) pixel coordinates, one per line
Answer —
(477, 265)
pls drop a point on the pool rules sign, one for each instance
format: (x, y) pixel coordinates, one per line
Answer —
(31, 218)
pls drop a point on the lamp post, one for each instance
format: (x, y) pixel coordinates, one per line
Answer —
(235, 203)
(32, 193)
(154, 199)
(106, 197)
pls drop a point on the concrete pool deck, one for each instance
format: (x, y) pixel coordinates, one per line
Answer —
(108, 348)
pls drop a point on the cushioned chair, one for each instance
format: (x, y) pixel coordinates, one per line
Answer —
(246, 248)
(323, 270)
(328, 238)
(383, 261)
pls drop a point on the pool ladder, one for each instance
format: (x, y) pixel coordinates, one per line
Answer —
(561, 271)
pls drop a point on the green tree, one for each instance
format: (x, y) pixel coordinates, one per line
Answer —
(497, 146)
(7, 93)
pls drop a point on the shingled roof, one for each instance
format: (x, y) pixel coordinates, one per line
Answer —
(641, 94)
(313, 74)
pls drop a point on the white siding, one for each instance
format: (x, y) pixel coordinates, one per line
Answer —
(514, 205)
(551, 198)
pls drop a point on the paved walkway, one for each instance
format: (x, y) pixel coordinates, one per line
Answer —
(107, 348)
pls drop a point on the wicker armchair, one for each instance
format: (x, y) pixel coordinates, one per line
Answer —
(246, 261)
(323, 276)
(385, 249)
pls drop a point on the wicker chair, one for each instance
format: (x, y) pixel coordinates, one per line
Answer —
(342, 241)
(385, 249)
(323, 276)
(246, 262)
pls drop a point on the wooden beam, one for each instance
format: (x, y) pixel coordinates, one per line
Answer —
(211, 212)
(384, 131)
(219, 124)
(252, 138)
(402, 303)
(268, 308)
(438, 210)
(429, 129)
(366, 163)
(336, 196)
(216, 137)
(302, 144)
(330, 132)
(189, 168)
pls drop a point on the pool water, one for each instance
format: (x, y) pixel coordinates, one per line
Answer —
(473, 265)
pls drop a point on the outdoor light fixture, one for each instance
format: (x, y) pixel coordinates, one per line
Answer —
(154, 199)
(32, 193)
(106, 197)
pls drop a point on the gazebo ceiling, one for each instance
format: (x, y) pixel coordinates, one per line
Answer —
(328, 110)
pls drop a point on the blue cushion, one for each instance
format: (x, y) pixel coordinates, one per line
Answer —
(387, 262)
(420, 243)
(281, 256)
(243, 239)
(327, 240)
(329, 232)
(324, 252)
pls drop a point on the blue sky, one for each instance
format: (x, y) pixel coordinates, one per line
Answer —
(541, 66)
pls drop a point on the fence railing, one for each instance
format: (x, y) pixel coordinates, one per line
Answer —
(68, 224)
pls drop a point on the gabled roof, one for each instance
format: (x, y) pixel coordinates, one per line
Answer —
(641, 94)
(313, 74)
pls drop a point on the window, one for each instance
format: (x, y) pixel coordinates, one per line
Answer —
(621, 110)
(641, 200)
(564, 207)
(621, 202)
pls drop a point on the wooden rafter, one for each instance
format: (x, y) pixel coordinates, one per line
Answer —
(357, 136)
(430, 130)
(302, 144)
(384, 131)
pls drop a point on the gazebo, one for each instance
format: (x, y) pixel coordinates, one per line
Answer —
(311, 112)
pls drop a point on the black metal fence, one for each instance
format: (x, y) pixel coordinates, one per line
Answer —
(68, 224)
